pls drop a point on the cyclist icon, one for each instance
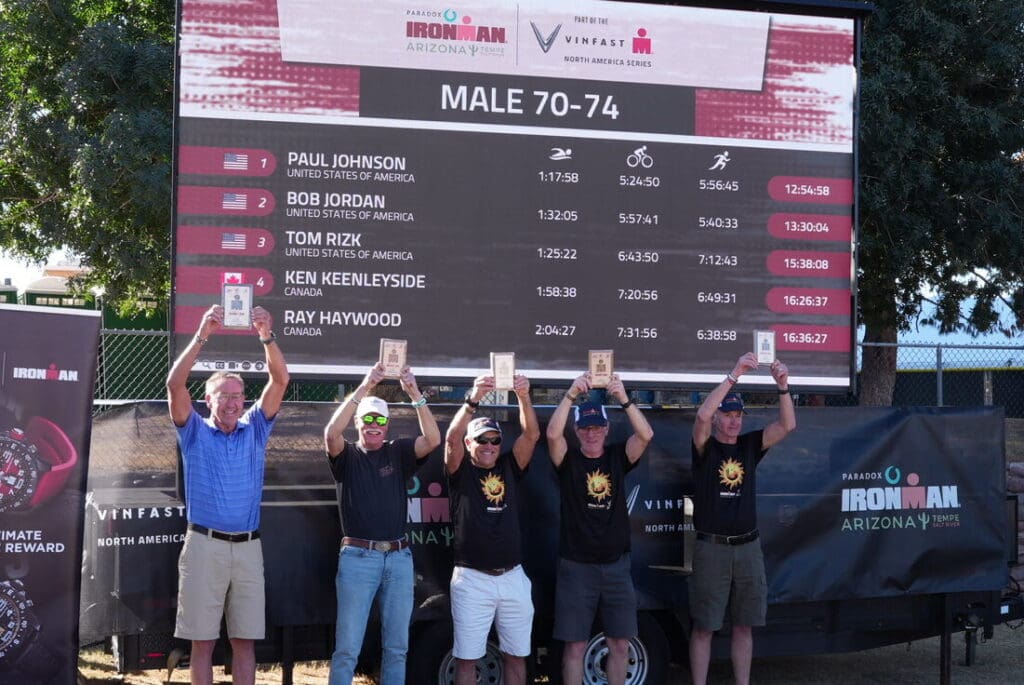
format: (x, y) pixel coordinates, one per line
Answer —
(639, 157)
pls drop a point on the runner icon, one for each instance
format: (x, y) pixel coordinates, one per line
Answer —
(720, 161)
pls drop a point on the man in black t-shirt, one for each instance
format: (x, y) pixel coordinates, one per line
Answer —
(375, 560)
(593, 565)
(728, 567)
(488, 583)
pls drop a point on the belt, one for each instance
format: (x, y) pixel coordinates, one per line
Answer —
(728, 539)
(376, 545)
(491, 571)
(227, 537)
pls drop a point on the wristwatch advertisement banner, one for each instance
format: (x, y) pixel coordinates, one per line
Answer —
(48, 364)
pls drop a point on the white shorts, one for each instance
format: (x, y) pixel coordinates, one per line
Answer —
(478, 599)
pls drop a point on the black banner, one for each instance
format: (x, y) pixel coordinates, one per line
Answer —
(857, 503)
(885, 502)
(48, 363)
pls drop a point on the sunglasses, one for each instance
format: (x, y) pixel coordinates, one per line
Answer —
(481, 440)
(379, 420)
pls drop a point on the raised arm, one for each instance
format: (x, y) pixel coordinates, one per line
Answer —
(454, 444)
(334, 439)
(642, 431)
(529, 434)
(786, 423)
(557, 446)
(273, 391)
(430, 434)
(702, 426)
(179, 402)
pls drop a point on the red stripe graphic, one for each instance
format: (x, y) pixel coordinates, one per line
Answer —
(225, 161)
(210, 239)
(225, 201)
(208, 279)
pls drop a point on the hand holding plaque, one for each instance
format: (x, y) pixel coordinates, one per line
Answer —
(392, 356)
(602, 365)
(503, 369)
(236, 298)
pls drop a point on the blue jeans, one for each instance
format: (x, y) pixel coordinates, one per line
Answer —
(364, 574)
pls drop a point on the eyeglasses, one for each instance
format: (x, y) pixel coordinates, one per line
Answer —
(229, 396)
(379, 420)
(481, 440)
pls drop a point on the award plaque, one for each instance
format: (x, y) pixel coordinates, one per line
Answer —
(392, 356)
(601, 367)
(503, 368)
(764, 346)
(236, 299)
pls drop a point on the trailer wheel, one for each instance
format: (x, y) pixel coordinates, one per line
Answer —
(431, 662)
(647, 662)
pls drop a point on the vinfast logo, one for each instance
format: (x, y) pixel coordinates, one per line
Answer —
(545, 42)
(888, 506)
(455, 28)
(50, 373)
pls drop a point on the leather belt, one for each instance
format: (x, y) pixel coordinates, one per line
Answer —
(376, 545)
(491, 571)
(728, 539)
(227, 537)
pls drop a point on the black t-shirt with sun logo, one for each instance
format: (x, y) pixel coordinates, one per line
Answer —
(595, 519)
(724, 485)
(485, 511)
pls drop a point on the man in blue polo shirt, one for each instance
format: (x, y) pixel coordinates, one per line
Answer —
(220, 571)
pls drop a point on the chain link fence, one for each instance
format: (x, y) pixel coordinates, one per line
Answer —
(134, 364)
(959, 375)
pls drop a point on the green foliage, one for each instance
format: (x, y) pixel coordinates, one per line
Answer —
(942, 180)
(85, 149)
(86, 88)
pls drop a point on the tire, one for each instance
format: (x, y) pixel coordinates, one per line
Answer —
(647, 661)
(430, 660)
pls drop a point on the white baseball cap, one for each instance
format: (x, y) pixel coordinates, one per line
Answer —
(371, 405)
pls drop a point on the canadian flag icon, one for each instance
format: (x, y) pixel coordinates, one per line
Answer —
(233, 277)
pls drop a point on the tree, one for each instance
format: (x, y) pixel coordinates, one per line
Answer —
(941, 174)
(86, 90)
(85, 149)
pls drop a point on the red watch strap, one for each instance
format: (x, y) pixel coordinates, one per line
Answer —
(55, 448)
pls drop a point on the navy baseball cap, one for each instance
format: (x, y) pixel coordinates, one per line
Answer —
(478, 427)
(591, 414)
(731, 402)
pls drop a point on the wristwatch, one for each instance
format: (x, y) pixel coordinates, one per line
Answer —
(34, 464)
(20, 649)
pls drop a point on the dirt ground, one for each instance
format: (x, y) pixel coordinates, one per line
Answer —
(997, 662)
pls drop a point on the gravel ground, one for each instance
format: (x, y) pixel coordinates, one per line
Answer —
(999, 661)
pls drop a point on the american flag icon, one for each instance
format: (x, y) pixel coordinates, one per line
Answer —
(232, 241)
(236, 161)
(234, 201)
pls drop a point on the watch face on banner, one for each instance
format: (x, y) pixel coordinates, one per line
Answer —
(20, 469)
(34, 464)
(16, 620)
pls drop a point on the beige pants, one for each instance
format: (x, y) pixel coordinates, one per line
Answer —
(218, 578)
